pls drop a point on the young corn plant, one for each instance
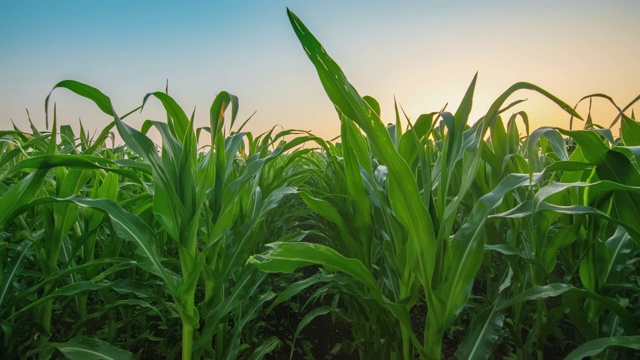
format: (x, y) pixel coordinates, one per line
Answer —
(569, 217)
(53, 273)
(210, 206)
(434, 247)
(528, 242)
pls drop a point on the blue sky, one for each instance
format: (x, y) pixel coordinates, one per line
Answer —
(424, 53)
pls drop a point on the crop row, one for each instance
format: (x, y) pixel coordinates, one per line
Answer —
(430, 238)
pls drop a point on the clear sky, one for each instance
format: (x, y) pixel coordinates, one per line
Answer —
(423, 53)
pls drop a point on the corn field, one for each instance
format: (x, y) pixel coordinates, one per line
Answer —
(436, 237)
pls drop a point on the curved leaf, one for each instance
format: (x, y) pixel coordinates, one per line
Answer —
(84, 348)
(287, 257)
(595, 347)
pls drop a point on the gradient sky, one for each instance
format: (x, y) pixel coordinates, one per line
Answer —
(423, 53)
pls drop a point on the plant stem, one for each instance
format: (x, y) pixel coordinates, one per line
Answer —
(187, 341)
(46, 313)
(433, 347)
(406, 342)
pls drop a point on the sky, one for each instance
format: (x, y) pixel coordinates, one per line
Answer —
(423, 54)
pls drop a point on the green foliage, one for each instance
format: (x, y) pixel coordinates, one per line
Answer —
(432, 238)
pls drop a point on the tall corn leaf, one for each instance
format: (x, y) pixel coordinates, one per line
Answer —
(403, 192)
(84, 348)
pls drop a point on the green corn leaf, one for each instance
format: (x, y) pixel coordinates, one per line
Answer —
(507, 250)
(614, 166)
(217, 110)
(564, 237)
(67, 137)
(630, 131)
(592, 267)
(232, 147)
(113, 266)
(178, 120)
(175, 202)
(77, 162)
(287, 257)
(467, 146)
(249, 310)
(538, 292)
(107, 189)
(629, 151)
(456, 148)
(217, 164)
(557, 289)
(357, 143)
(494, 109)
(114, 306)
(80, 287)
(611, 165)
(168, 207)
(187, 171)
(596, 346)
(327, 211)
(527, 208)
(273, 200)
(265, 348)
(627, 321)
(395, 130)
(10, 155)
(483, 333)
(513, 134)
(499, 140)
(622, 190)
(166, 200)
(89, 92)
(355, 185)
(244, 295)
(311, 316)
(619, 247)
(11, 270)
(128, 226)
(99, 141)
(84, 348)
(299, 286)
(605, 185)
(465, 254)
(73, 289)
(373, 104)
(410, 143)
(64, 216)
(403, 191)
(555, 139)
(20, 194)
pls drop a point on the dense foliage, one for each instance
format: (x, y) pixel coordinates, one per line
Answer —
(429, 238)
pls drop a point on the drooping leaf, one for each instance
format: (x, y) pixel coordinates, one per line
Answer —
(596, 346)
(84, 348)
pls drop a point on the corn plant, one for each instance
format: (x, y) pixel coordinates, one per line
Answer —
(512, 242)
(54, 249)
(436, 223)
(210, 206)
